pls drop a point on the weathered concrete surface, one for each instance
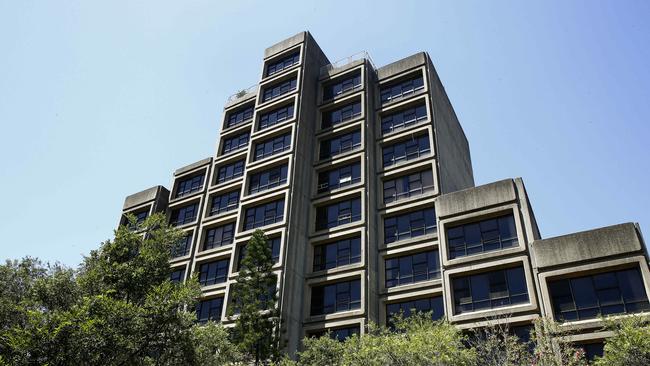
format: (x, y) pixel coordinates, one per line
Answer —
(587, 245)
(149, 194)
(475, 198)
(194, 165)
(402, 65)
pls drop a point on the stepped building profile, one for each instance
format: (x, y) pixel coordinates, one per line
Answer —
(361, 178)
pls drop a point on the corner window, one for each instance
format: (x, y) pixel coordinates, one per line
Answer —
(283, 63)
(274, 245)
(274, 146)
(412, 268)
(403, 119)
(401, 89)
(589, 297)
(340, 144)
(218, 236)
(411, 185)
(212, 273)
(224, 203)
(483, 236)
(267, 179)
(337, 254)
(239, 116)
(340, 115)
(263, 215)
(346, 84)
(207, 310)
(177, 276)
(182, 248)
(339, 177)
(489, 290)
(185, 214)
(408, 308)
(234, 143)
(230, 171)
(189, 185)
(337, 214)
(336, 297)
(279, 89)
(410, 149)
(409, 225)
(275, 116)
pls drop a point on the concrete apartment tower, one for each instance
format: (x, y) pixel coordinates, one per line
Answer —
(361, 177)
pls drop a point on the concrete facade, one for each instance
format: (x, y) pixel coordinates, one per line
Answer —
(396, 181)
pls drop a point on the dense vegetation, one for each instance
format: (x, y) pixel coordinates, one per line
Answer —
(120, 308)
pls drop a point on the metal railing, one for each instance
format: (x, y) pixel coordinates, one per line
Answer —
(347, 60)
(242, 93)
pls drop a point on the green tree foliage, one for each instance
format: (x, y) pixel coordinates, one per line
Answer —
(256, 324)
(495, 345)
(415, 341)
(630, 345)
(119, 308)
(550, 349)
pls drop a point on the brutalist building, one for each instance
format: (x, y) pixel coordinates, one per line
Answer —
(362, 180)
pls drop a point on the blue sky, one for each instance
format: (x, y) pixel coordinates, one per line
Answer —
(100, 99)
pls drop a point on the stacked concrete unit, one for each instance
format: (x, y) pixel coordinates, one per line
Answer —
(361, 177)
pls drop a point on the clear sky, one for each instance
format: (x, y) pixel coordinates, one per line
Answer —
(101, 99)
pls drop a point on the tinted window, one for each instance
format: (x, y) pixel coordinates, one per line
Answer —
(339, 177)
(182, 248)
(177, 276)
(266, 214)
(341, 114)
(408, 308)
(338, 214)
(209, 310)
(406, 150)
(279, 89)
(347, 83)
(483, 236)
(336, 254)
(275, 116)
(185, 214)
(274, 245)
(339, 334)
(283, 63)
(603, 294)
(336, 297)
(273, 146)
(407, 186)
(239, 116)
(267, 179)
(489, 290)
(234, 143)
(218, 236)
(190, 185)
(213, 272)
(401, 89)
(402, 119)
(230, 171)
(340, 144)
(412, 268)
(224, 203)
(409, 225)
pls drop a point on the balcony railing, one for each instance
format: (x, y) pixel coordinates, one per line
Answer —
(242, 93)
(347, 60)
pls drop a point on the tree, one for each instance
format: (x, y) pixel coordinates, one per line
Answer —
(550, 348)
(256, 330)
(495, 345)
(630, 345)
(414, 341)
(119, 308)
